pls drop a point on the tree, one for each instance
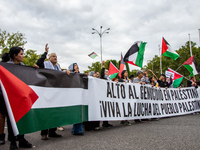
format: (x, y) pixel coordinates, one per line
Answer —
(94, 67)
(8, 40)
(30, 57)
(134, 72)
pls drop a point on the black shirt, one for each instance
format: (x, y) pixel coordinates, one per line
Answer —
(163, 84)
(189, 84)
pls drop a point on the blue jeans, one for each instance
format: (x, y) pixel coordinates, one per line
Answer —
(77, 128)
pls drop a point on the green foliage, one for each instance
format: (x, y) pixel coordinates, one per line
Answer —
(8, 40)
(127, 68)
(30, 57)
(184, 53)
(95, 67)
(133, 72)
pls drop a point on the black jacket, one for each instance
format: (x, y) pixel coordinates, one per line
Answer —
(40, 61)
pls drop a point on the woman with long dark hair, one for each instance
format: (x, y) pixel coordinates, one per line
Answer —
(16, 56)
(124, 78)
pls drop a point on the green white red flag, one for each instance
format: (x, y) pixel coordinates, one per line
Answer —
(177, 78)
(113, 71)
(135, 54)
(36, 99)
(93, 55)
(168, 51)
(122, 66)
(192, 66)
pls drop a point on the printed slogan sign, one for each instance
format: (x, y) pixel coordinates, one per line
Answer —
(118, 101)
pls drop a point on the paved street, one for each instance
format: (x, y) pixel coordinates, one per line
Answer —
(177, 133)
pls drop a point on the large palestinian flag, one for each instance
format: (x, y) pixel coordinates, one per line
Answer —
(192, 66)
(167, 50)
(135, 54)
(38, 99)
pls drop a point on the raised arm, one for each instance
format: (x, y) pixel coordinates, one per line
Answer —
(153, 74)
(103, 70)
(40, 61)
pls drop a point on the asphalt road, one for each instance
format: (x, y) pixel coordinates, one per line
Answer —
(176, 133)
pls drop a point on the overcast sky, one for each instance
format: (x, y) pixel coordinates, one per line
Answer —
(67, 26)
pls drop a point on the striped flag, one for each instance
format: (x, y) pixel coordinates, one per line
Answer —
(192, 66)
(113, 71)
(177, 78)
(122, 66)
(93, 55)
(135, 54)
(44, 95)
(167, 50)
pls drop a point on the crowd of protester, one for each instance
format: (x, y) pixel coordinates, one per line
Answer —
(15, 56)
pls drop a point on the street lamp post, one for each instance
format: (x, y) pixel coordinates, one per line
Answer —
(100, 33)
(199, 37)
(190, 45)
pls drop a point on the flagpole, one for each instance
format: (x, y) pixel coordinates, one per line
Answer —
(190, 45)
(186, 78)
(178, 73)
(160, 59)
(179, 67)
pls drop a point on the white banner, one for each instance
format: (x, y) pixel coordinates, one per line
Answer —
(119, 101)
(168, 74)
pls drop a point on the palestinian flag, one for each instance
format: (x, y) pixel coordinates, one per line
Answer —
(38, 99)
(93, 55)
(113, 71)
(135, 54)
(122, 66)
(177, 78)
(192, 66)
(168, 51)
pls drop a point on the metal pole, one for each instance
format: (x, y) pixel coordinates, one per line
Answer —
(101, 43)
(160, 59)
(199, 37)
(190, 46)
(100, 35)
(179, 67)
